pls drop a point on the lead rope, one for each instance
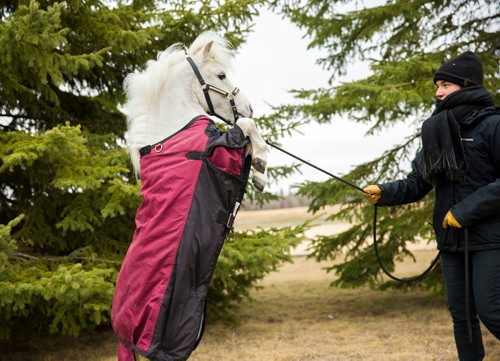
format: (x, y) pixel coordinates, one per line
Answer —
(315, 167)
(403, 280)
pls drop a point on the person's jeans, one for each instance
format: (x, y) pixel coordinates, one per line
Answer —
(484, 296)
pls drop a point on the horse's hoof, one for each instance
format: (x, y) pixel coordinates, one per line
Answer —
(258, 185)
(259, 165)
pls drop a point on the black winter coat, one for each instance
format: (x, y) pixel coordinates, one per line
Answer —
(475, 201)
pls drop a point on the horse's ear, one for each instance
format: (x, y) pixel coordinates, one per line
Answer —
(207, 48)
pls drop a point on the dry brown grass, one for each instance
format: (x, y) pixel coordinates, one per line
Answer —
(297, 316)
(279, 217)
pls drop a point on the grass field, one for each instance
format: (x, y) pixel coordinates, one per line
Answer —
(296, 316)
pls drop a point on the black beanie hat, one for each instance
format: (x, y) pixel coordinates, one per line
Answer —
(464, 70)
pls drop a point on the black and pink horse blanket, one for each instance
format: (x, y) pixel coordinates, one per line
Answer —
(192, 185)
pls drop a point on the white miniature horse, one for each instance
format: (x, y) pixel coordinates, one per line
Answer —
(168, 94)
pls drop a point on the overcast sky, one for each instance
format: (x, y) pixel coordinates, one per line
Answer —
(275, 60)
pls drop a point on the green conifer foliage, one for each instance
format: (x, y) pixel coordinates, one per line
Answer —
(67, 195)
(404, 43)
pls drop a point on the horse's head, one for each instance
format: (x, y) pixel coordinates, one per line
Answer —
(167, 93)
(210, 58)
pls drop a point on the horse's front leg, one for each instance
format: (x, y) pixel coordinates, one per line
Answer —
(258, 149)
(259, 180)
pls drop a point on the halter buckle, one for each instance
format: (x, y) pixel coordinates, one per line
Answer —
(206, 88)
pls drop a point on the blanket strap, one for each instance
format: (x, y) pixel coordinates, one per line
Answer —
(227, 218)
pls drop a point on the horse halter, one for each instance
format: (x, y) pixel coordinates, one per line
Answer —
(207, 87)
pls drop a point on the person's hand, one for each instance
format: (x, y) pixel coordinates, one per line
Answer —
(372, 193)
(451, 221)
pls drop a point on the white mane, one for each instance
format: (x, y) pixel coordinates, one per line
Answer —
(167, 78)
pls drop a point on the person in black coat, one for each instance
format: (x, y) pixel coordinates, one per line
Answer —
(460, 159)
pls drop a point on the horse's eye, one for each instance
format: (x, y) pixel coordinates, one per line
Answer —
(221, 76)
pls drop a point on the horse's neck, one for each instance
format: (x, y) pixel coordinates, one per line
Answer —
(172, 114)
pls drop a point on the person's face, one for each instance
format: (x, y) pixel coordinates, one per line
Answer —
(445, 88)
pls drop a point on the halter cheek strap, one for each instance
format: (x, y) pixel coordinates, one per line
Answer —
(207, 87)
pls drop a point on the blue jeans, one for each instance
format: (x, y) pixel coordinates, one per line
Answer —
(484, 298)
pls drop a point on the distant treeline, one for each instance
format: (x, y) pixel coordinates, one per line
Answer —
(288, 201)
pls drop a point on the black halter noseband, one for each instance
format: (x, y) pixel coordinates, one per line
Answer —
(207, 87)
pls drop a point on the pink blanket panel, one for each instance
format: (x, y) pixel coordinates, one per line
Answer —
(160, 220)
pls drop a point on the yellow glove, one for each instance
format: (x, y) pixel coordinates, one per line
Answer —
(372, 193)
(450, 220)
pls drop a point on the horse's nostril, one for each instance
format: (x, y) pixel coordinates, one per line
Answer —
(251, 110)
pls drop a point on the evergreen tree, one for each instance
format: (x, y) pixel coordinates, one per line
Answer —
(404, 43)
(67, 195)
